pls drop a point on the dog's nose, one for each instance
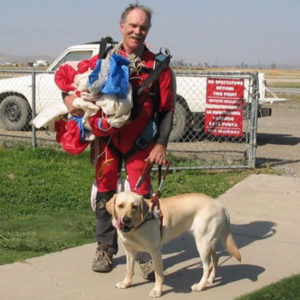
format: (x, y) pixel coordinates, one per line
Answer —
(126, 220)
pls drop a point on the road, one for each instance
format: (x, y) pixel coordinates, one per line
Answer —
(278, 139)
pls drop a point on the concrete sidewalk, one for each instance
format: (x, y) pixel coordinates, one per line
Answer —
(265, 215)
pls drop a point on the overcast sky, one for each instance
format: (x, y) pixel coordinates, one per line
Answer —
(213, 31)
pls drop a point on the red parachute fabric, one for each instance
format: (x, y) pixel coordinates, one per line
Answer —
(64, 77)
(68, 135)
(87, 64)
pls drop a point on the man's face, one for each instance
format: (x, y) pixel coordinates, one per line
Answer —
(134, 30)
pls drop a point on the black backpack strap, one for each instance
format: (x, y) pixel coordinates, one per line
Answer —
(103, 49)
(156, 87)
(162, 61)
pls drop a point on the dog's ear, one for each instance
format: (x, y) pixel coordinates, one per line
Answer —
(145, 207)
(110, 205)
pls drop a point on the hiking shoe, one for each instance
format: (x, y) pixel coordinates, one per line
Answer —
(103, 260)
(147, 269)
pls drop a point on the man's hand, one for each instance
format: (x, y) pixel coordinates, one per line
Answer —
(72, 110)
(158, 155)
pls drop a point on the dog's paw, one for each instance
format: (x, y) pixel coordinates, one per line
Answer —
(155, 293)
(197, 287)
(211, 278)
(122, 285)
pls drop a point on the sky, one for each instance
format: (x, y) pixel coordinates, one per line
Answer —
(220, 32)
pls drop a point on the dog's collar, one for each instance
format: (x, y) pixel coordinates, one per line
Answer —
(149, 216)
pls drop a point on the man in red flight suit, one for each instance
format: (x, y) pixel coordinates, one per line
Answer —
(134, 26)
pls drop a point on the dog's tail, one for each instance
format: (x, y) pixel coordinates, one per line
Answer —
(228, 240)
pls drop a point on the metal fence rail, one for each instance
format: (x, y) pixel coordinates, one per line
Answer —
(215, 122)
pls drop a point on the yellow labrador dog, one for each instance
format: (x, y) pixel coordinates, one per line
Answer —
(139, 231)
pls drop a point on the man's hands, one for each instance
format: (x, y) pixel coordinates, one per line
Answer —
(77, 112)
(158, 155)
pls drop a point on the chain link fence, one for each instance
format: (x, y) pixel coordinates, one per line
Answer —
(215, 121)
(216, 114)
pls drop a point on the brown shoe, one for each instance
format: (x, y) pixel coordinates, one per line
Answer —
(147, 269)
(103, 260)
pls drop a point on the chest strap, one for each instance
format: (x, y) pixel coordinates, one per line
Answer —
(147, 135)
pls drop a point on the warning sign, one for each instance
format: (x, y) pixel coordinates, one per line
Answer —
(226, 122)
(221, 91)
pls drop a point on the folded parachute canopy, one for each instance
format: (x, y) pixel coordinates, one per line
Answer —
(117, 81)
(64, 76)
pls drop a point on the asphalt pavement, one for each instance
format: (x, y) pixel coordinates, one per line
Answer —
(265, 219)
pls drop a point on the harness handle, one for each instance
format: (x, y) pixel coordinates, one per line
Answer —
(157, 194)
(145, 172)
(162, 180)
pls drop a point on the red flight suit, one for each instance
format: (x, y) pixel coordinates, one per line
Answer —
(124, 138)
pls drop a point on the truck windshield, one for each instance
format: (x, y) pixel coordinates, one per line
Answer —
(73, 56)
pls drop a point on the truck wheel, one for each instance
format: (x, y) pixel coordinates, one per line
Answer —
(180, 122)
(14, 113)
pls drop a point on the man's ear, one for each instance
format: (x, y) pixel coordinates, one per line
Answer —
(110, 205)
(121, 27)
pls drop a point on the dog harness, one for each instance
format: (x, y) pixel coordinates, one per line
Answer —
(155, 212)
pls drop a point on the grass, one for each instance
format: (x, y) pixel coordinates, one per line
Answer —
(293, 85)
(45, 206)
(44, 201)
(44, 198)
(285, 289)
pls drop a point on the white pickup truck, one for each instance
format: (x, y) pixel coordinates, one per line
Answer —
(16, 94)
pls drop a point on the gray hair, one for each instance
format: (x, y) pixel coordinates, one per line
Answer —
(131, 7)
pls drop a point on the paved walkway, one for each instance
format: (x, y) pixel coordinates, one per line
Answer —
(265, 215)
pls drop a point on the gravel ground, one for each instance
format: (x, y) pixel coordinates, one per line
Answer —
(278, 139)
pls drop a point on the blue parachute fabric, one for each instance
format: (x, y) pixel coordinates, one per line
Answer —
(95, 74)
(79, 121)
(118, 78)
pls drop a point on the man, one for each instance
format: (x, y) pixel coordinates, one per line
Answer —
(116, 143)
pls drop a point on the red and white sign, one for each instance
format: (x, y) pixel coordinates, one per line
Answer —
(222, 91)
(225, 122)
